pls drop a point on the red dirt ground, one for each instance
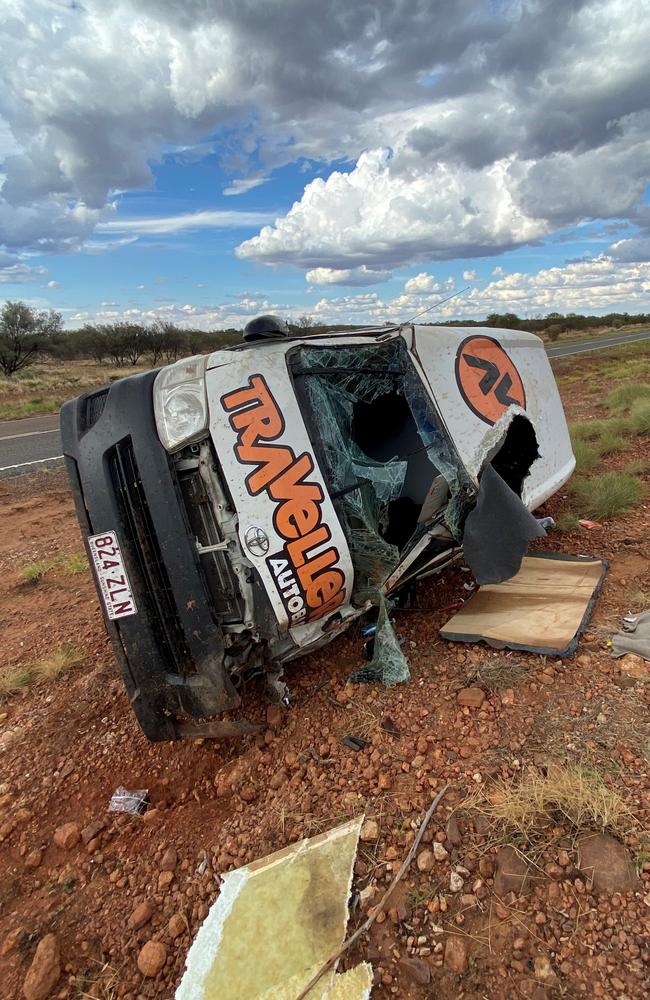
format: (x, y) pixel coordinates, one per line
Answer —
(67, 744)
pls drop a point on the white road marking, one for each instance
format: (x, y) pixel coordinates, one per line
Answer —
(587, 349)
(38, 461)
(27, 434)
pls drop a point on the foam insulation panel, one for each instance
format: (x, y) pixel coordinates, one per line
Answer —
(276, 922)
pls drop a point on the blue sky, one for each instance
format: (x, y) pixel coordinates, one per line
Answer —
(204, 164)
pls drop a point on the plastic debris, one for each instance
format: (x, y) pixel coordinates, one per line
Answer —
(585, 523)
(634, 637)
(354, 742)
(547, 523)
(125, 801)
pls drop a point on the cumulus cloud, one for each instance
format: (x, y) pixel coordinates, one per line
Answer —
(470, 276)
(595, 286)
(503, 121)
(233, 313)
(53, 284)
(425, 283)
(385, 213)
(346, 276)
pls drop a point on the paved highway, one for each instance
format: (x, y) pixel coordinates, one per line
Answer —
(34, 443)
(585, 346)
(29, 445)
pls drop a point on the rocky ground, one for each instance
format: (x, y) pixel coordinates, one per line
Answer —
(100, 905)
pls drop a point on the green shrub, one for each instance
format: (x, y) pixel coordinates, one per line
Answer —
(624, 396)
(608, 494)
(640, 416)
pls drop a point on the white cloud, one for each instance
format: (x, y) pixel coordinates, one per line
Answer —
(506, 120)
(594, 286)
(389, 211)
(53, 284)
(346, 276)
(498, 271)
(158, 226)
(243, 184)
(470, 276)
(15, 271)
(425, 283)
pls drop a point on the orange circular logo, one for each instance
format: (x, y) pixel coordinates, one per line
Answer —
(487, 378)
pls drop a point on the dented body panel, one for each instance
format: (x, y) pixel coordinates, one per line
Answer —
(440, 349)
(302, 480)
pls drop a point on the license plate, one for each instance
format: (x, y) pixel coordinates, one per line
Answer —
(113, 582)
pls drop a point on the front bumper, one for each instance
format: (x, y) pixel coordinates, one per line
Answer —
(171, 652)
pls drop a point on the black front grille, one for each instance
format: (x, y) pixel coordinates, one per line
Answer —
(93, 408)
(141, 541)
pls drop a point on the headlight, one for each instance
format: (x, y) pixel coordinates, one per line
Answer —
(180, 403)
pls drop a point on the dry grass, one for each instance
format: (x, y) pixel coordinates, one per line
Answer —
(499, 673)
(638, 599)
(13, 680)
(534, 810)
(567, 522)
(361, 719)
(70, 564)
(49, 668)
(57, 663)
(43, 387)
(102, 984)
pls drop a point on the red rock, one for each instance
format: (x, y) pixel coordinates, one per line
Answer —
(91, 831)
(486, 867)
(606, 863)
(43, 974)
(456, 953)
(416, 969)
(512, 872)
(152, 958)
(452, 831)
(12, 940)
(34, 858)
(278, 779)
(176, 925)
(169, 860)
(67, 836)
(141, 915)
(274, 716)
(248, 793)
(471, 697)
(165, 879)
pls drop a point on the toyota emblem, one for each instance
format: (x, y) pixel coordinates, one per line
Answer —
(257, 541)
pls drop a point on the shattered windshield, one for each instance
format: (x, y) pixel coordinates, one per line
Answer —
(388, 462)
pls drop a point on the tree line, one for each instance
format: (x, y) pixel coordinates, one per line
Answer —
(27, 334)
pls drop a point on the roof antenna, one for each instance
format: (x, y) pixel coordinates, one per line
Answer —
(439, 303)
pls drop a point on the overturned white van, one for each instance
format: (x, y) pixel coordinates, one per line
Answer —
(242, 508)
